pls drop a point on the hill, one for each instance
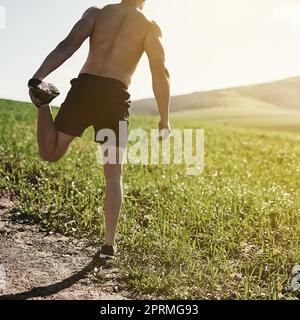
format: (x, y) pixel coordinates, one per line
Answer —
(272, 106)
(283, 94)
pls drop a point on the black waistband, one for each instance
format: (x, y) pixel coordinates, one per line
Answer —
(102, 79)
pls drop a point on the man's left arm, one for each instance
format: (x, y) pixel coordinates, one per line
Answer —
(80, 32)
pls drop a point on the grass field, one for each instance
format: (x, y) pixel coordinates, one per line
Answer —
(232, 232)
(247, 117)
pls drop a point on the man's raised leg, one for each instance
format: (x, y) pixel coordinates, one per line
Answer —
(53, 143)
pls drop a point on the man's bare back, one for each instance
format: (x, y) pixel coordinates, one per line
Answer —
(117, 41)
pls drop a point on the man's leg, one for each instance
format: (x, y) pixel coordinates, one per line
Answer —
(113, 198)
(53, 144)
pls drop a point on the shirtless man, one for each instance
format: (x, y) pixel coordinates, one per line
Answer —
(118, 35)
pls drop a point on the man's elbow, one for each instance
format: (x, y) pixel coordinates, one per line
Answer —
(65, 49)
(161, 73)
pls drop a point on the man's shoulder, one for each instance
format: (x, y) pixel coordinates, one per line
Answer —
(95, 9)
(152, 25)
(91, 11)
(154, 28)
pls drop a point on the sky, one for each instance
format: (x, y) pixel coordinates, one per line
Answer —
(209, 44)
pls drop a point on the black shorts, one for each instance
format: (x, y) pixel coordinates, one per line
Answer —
(96, 101)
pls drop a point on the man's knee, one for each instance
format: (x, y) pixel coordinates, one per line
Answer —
(113, 173)
(49, 157)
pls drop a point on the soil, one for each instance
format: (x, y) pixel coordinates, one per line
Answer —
(38, 264)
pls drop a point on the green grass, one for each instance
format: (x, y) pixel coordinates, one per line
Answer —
(232, 232)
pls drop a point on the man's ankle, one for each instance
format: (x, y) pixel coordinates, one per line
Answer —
(109, 243)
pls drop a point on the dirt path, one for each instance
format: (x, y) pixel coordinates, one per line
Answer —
(37, 265)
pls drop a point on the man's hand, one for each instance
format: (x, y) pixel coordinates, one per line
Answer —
(164, 130)
(42, 93)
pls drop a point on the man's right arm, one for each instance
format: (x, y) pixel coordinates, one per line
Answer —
(160, 74)
(66, 48)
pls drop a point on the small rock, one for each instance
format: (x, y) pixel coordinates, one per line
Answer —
(2, 225)
(62, 239)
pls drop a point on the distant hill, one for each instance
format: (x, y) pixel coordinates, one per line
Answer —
(283, 94)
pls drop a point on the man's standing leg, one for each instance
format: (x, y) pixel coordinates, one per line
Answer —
(113, 200)
(113, 196)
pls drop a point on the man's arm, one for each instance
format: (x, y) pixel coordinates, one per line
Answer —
(160, 74)
(80, 32)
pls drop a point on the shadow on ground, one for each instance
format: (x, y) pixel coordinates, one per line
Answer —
(54, 288)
